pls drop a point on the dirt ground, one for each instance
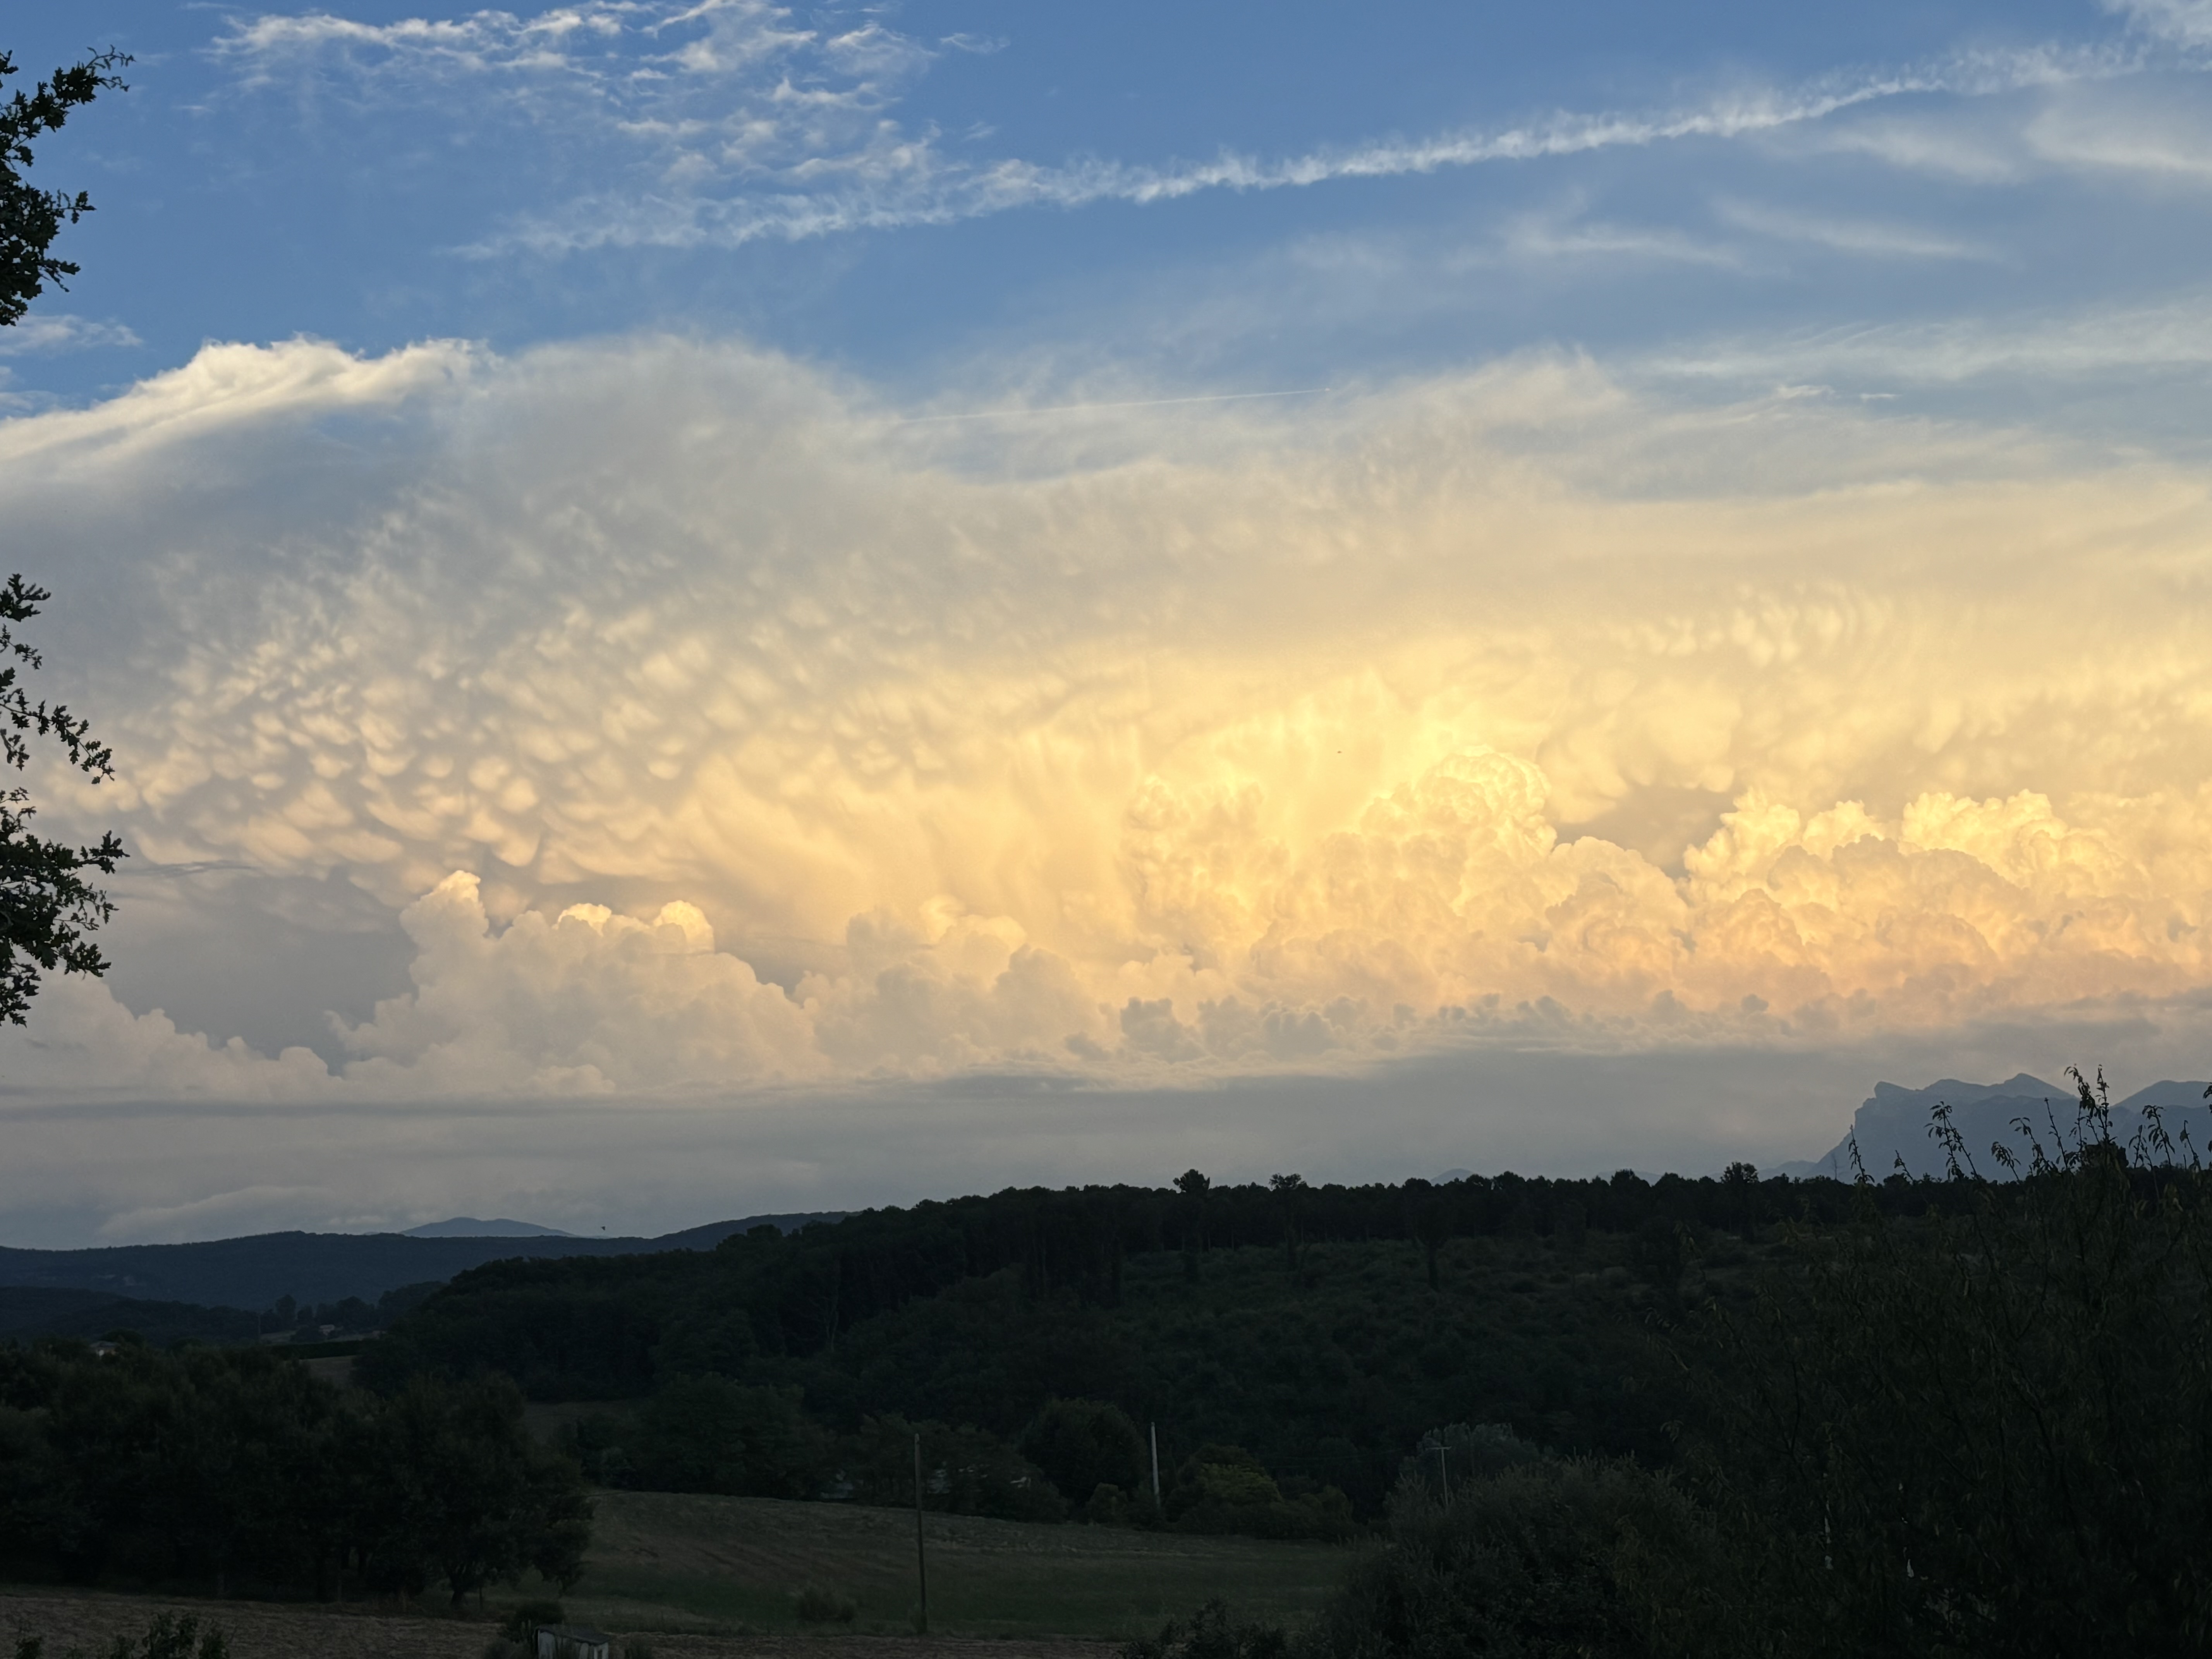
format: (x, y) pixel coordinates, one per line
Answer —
(91, 1621)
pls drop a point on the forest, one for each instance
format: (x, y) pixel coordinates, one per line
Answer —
(235, 1471)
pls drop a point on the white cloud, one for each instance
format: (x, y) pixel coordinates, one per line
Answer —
(2187, 22)
(780, 745)
(225, 387)
(1967, 145)
(59, 332)
(1866, 237)
(1569, 235)
(223, 1215)
(2173, 335)
(729, 124)
(2158, 136)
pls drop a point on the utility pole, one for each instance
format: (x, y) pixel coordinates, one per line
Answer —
(1443, 1473)
(920, 1554)
(1156, 1465)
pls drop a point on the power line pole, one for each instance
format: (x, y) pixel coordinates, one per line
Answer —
(1156, 1465)
(920, 1554)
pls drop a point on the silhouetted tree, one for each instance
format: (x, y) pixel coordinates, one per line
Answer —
(46, 906)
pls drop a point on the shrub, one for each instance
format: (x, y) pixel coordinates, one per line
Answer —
(817, 1606)
(1224, 1489)
(522, 1624)
(710, 1434)
(1547, 1559)
(1083, 1444)
(168, 1636)
(1211, 1633)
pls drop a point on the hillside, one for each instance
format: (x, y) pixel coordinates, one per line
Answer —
(318, 1268)
(91, 1314)
(1324, 1330)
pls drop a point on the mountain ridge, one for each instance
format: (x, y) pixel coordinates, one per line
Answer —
(255, 1270)
(1892, 1125)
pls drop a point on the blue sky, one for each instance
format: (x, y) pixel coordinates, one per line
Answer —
(822, 181)
(810, 605)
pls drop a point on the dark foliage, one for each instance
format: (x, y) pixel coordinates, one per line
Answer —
(30, 217)
(235, 1468)
(1501, 1300)
(1084, 1444)
(46, 905)
(1547, 1559)
(170, 1636)
(1989, 1431)
(1211, 1633)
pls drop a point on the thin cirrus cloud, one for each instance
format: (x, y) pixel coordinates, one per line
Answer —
(1866, 237)
(709, 726)
(2168, 337)
(44, 331)
(731, 123)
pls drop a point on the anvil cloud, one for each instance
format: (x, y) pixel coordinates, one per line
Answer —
(711, 725)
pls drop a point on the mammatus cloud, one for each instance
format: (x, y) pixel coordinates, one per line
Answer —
(711, 727)
(735, 122)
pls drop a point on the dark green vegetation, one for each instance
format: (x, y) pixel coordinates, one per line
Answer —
(1983, 1429)
(1319, 1331)
(1952, 1415)
(89, 1314)
(236, 1469)
(168, 1636)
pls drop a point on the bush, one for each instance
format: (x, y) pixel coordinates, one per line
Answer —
(817, 1606)
(1224, 1489)
(522, 1624)
(1210, 1634)
(709, 1434)
(1546, 1560)
(168, 1636)
(1084, 1444)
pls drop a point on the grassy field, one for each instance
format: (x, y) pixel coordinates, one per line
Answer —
(669, 1561)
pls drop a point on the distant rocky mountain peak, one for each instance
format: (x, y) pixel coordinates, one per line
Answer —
(1892, 1124)
(467, 1226)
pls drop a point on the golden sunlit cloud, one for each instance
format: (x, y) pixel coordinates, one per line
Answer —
(712, 725)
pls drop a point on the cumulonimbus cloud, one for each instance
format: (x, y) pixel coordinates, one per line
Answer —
(710, 726)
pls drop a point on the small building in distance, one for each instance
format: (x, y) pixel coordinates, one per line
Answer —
(574, 1642)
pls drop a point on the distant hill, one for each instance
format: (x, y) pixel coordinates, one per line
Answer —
(92, 1315)
(467, 1226)
(316, 1268)
(1892, 1123)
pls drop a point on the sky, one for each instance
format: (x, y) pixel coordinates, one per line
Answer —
(709, 608)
